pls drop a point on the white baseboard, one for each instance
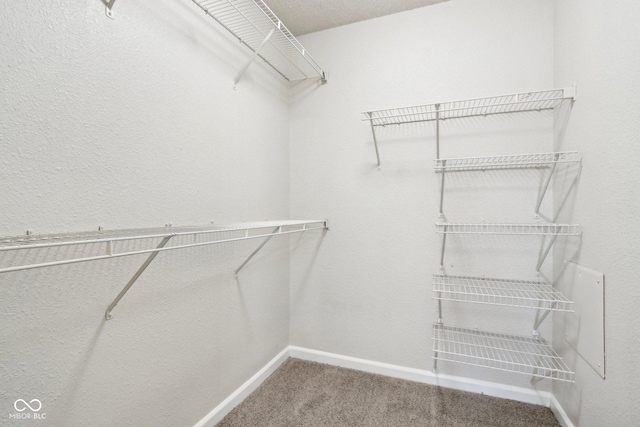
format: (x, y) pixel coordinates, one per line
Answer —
(559, 412)
(221, 411)
(427, 377)
(423, 376)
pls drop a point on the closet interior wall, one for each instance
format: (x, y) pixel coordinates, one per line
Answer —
(597, 45)
(134, 123)
(369, 293)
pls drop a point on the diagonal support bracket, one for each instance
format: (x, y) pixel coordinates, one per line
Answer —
(375, 140)
(275, 231)
(107, 314)
(546, 252)
(255, 55)
(544, 189)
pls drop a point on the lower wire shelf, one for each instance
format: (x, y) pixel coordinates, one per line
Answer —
(512, 353)
(535, 294)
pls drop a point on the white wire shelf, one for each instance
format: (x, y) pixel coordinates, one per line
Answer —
(513, 161)
(512, 229)
(149, 237)
(536, 294)
(511, 353)
(252, 23)
(513, 103)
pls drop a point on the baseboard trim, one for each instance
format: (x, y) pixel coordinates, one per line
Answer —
(559, 412)
(238, 396)
(423, 376)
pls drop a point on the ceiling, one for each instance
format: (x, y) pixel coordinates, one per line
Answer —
(308, 16)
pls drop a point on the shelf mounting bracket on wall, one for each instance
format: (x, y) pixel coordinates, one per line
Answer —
(108, 8)
(536, 214)
(143, 267)
(546, 252)
(273, 233)
(254, 56)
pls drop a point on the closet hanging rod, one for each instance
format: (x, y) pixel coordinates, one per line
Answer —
(255, 25)
(112, 237)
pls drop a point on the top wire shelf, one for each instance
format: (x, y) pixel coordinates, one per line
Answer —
(148, 239)
(514, 103)
(513, 161)
(255, 25)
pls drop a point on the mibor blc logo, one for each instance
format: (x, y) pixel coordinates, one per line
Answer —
(28, 410)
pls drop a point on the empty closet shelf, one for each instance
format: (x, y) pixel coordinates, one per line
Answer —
(515, 161)
(119, 243)
(254, 24)
(514, 103)
(535, 294)
(513, 229)
(512, 353)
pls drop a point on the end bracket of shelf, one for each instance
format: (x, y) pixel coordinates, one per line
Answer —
(571, 92)
(108, 8)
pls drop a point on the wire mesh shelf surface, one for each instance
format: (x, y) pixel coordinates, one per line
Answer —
(251, 21)
(148, 238)
(507, 292)
(514, 103)
(505, 162)
(512, 353)
(512, 229)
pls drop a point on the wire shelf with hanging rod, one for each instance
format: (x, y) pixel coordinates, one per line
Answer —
(103, 245)
(534, 294)
(513, 353)
(255, 25)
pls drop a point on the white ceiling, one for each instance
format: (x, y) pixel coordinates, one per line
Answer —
(308, 16)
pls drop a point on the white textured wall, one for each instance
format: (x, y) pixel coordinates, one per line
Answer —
(597, 45)
(367, 292)
(133, 122)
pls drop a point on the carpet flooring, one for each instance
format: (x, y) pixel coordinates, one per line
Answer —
(306, 394)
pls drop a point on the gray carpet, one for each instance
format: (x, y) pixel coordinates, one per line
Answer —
(304, 393)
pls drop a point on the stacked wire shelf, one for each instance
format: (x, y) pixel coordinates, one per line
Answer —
(252, 23)
(513, 161)
(513, 353)
(509, 229)
(535, 294)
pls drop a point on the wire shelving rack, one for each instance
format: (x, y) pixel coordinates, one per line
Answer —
(255, 25)
(513, 161)
(502, 104)
(476, 107)
(534, 294)
(510, 229)
(513, 353)
(104, 245)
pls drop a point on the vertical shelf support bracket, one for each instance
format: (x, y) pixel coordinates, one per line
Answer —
(375, 140)
(108, 315)
(255, 55)
(444, 241)
(545, 253)
(275, 231)
(441, 214)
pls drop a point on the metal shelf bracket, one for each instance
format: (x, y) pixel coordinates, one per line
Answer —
(264, 242)
(143, 267)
